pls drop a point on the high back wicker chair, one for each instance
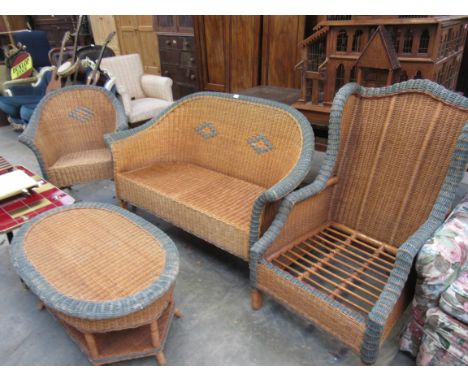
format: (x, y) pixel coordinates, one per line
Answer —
(66, 134)
(340, 249)
(213, 164)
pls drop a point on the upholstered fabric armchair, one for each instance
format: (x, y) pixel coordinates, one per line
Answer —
(437, 333)
(339, 251)
(143, 95)
(214, 165)
(66, 133)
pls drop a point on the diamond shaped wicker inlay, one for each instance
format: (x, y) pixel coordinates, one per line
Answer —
(260, 144)
(81, 114)
(207, 130)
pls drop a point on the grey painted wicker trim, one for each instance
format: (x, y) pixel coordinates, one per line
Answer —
(28, 136)
(277, 191)
(408, 250)
(91, 309)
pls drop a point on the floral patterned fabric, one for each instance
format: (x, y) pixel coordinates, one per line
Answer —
(454, 301)
(438, 265)
(445, 341)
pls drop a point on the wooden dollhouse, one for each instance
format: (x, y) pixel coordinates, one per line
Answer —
(377, 51)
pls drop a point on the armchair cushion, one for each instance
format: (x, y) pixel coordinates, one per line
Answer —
(157, 87)
(206, 203)
(146, 108)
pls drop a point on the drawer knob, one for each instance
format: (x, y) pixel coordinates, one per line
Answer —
(168, 42)
(174, 42)
(166, 73)
(192, 76)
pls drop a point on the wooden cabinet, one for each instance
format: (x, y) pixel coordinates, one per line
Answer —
(177, 52)
(101, 26)
(173, 24)
(280, 50)
(56, 26)
(239, 52)
(179, 63)
(229, 51)
(136, 35)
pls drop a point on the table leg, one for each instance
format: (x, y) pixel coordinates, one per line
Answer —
(155, 334)
(91, 344)
(9, 236)
(161, 358)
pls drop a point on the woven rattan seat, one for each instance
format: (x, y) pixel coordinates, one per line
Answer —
(66, 133)
(340, 250)
(99, 269)
(80, 166)
(212, 199)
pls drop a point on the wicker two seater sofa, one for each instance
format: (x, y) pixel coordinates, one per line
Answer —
(214, 165)
(340, 249)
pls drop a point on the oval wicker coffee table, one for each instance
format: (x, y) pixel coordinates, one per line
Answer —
(106, 274)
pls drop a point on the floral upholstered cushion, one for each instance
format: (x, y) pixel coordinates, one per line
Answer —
(445, 340)
(454, 301)
(437, 266)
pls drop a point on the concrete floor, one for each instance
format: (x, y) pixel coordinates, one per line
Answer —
(218, 327)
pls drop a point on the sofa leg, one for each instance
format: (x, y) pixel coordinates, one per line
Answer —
(122, 204)
(256, 299)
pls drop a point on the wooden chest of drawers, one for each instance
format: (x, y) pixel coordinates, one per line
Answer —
(178, 61)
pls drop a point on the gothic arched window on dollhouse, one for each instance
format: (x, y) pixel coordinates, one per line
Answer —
(396, 39)
(408, 41)
(342, 41)
(352, 74)
(357, 41)
(424, 41)
(403, 76)
(418, 75)
(339, 78)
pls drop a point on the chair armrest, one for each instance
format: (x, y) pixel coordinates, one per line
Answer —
(442, 257)
(35, 85)
(124, 97)
(157, 87)
(141, 146)
(297, 215)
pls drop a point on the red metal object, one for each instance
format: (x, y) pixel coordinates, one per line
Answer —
(18, 209)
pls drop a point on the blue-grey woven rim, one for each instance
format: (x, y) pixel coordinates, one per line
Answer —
(280, 189)
(29, 134)
(91, 309)
(408, 250)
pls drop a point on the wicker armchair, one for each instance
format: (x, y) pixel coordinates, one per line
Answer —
(66, 133)
(214, 164)
(340, 249)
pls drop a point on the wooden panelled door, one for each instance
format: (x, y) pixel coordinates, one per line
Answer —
(136, 35)
(229, 51)
(280, 51)
(101, 26)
